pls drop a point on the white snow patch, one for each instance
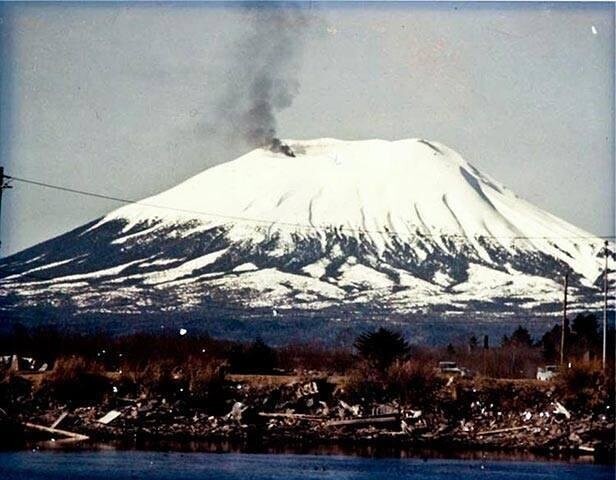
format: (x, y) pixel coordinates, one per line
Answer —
(42, 267)
(486, 283)
(271, 284)
(107, 272)
(144, 232)
(317, 269)
(245, 267)
(442, 279)
(353, 274)
(159, 262)
(184, 269)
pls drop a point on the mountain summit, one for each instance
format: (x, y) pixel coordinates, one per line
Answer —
(381, 229)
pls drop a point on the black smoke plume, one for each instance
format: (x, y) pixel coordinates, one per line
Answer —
(263, 76)
(278, 146)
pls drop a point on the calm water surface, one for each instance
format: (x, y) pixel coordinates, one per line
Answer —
(130, 465)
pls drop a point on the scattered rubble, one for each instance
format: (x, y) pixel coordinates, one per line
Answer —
(109, 417)
(71, 436)
(526, 417)
(16, 363)
(561, 410)
(58, 421)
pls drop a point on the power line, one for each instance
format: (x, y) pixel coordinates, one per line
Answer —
(292, 224)
(208, 303)
(87, 193)
(220, 308)
(3, 186)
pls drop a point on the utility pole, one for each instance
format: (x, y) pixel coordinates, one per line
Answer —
(563, 327)
(486, 346)
(2, 187)
(605, 308)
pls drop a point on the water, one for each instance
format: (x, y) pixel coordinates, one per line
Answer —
(134, 465)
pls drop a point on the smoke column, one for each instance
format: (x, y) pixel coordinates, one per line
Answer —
(263, 76)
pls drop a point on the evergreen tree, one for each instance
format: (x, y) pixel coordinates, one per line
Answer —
(382, 347)
(550, 344)
(521, 337)
(585, 334)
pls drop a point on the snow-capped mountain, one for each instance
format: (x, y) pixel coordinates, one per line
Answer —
(384, 230)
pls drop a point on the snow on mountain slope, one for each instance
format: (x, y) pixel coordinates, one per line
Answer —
(382, 190)
(407, 226)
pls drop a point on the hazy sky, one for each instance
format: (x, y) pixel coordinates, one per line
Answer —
(116, 98)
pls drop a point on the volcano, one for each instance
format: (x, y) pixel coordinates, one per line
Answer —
(405, 232)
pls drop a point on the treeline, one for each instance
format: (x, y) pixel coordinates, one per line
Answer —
(515, 356)
(47, 344)
(518, 355)
(380, 366)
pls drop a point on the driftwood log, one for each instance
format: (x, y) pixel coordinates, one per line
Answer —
(77, 437)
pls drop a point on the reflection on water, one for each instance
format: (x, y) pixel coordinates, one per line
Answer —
(111, 464)
(353, 449)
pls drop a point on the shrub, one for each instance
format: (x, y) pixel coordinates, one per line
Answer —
(76, 380)
(198, 380)
(160, 377)
(314, 356)
(258, 357)
(364, 382)
(584, 387)
(413, 382)
(410, 382)
(205, 379)
(13, 389)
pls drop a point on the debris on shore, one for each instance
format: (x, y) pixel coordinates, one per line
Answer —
(466, 413)
(161, 389)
